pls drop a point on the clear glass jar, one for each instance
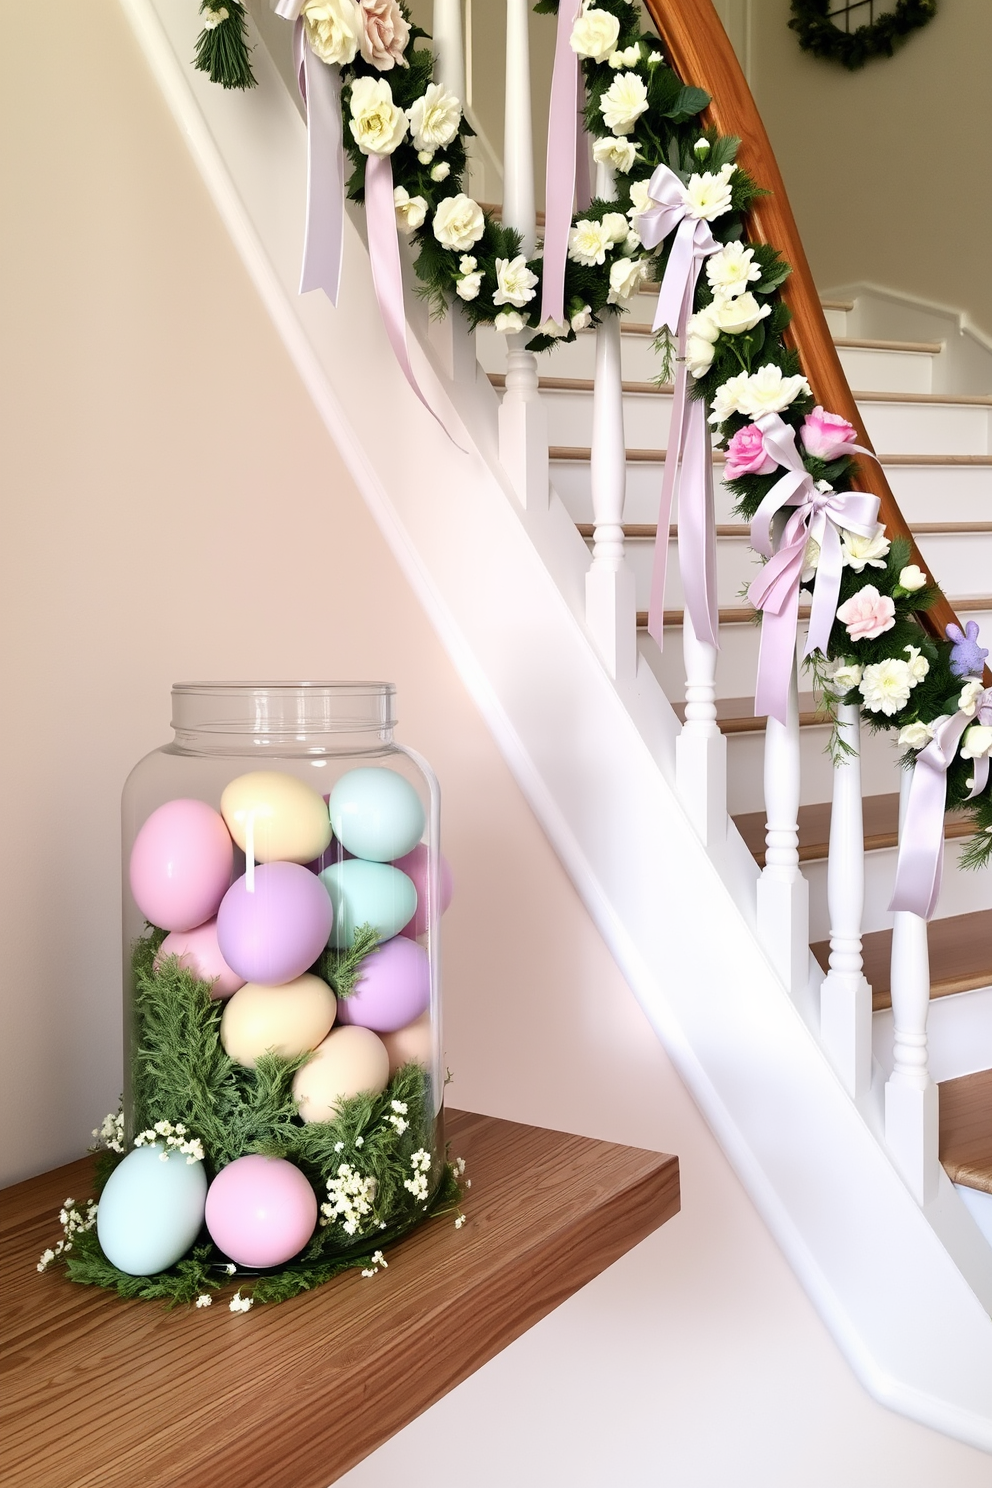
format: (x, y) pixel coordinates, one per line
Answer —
(282, 890)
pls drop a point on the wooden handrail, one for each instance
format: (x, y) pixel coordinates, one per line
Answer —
(698, 49)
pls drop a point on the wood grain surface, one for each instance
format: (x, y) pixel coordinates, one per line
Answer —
(966, 1129)
(96, 1392)
(960, 956)
(881, 823)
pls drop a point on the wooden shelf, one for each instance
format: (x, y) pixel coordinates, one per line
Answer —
(103, 1393)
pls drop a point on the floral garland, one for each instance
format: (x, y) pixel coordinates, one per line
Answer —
(819, 35)
(644, 120)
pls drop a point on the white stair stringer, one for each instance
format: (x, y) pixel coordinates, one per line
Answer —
(589, 754)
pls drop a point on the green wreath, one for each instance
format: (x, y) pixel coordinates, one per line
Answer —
(818, 34)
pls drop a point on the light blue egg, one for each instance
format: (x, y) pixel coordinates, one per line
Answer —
(151, 1210)
(368, 894)
(376, 814)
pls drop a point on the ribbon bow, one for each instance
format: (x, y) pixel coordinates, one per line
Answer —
(818, 515)
(688, 463)
(920, 864)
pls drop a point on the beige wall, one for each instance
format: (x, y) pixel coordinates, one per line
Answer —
(173, 508)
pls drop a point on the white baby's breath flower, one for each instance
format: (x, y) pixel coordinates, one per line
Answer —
(469, 285)
(377, 125)
(970, 693)
(239, 1303)
(886, 685)
(459, 222)
(434, 118)
(441, 171)
(508, 322)
(707, 196)
(515, 280)
(380, 1260)
(912, 578)
(915, 735)
(860, 552)
(977, 742)
(45, 1260)
(204, 1300)
(612, 150)
(459, 1221)
(738, 315)
(623, 103)
(627, 277)
(594, 34)
(731, 270)
(230, 1268)
(589, 242)
(411, 211)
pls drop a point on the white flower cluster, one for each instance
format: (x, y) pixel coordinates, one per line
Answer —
(111, 1132)
(588, 244)
(74, 1222)
(886, 685)
(755, 393)
(204, 1300)
(397, 1116)
(378, 1261)
(351, 1199)
(733, 308)
(175, 1137)
(211, 19)
(420, 1162)
(239, 1303)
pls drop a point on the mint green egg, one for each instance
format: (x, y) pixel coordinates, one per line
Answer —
(368, 894)
(151, 1210)
(376, 814)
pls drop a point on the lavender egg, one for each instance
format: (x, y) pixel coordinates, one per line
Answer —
(274, 932)
(394, 987)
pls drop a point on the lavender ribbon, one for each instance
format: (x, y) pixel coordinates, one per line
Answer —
(563, 138)
(920, 865)
(818, 515)
(320, 89)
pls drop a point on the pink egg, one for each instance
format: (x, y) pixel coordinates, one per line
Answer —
(181, 864)
(274, 932)
(260, 1210)
(199, 953)
(414, 865)
(394, 987)
(413, 1044)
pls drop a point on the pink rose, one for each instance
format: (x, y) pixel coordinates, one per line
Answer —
(384, 33)
(746, 455)
(826, 435)
(867, 614)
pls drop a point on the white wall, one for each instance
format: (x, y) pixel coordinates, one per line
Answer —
(173, 509)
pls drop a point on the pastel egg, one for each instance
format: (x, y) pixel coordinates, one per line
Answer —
(199, 953)
(364, 893)
(151, 1210)
(415, 865)
(181, 864)
(413, 1044)
(394, 987)
(286, 819)
(376, 813)
(260, 1210)
(275, 931)
(350, 1061)
(287, 1020)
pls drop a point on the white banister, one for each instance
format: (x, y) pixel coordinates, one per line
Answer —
(845, 996)
(911, 1097)
(523, 428)
(611, 604)
(783, 893)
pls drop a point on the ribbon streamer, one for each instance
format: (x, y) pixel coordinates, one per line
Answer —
(563, 141)
(320, 89)
(920, 865)
(817, 515)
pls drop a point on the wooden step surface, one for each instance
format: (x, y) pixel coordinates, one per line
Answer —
(960, 957)
(881, 821)
(582, 453)
(736, 715)
(585, 385)
(103, 1393)
(648, 531)
(747, 615)
(913, 348)
(966, 1129)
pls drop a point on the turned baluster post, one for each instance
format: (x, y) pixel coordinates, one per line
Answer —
(783, 893)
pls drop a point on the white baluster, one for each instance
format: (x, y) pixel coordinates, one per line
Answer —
(845, 996)
(611, 606)
(783, 893)
(449, 46)
(523, 429)
(450, 335)
(911, 1110)
(701, 749)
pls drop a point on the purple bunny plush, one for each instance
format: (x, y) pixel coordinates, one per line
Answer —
(967, 656)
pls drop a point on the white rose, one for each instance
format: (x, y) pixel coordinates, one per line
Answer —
(886, 686)
(611, 150)
(582, 319)
(741, 314)
(468, 286)
(333, 28)
(434, 118)
(860, 552)
(595, 34)
(708, 196)
(515, 280)
(727, 398)
(508, 321)
(458, 222)
(640, 199)
(977, 742)
(377, 124)
(588, 243)
(731, 270)
(629, 57)
(843, 676)
(441, 171)
(703, 325)
(698, 355)
(616, 225)
(627, 275)
(912, 578)
(623, 103)
(970, 693)
(915, 735)
(411, 211)
(767, 391)
(918, 665)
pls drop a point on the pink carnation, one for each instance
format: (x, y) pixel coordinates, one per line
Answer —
(746, 455)
(867, 614)
(827, 435)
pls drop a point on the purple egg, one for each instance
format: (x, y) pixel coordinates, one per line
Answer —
(415, 864)
(274, 933)
(394, 989)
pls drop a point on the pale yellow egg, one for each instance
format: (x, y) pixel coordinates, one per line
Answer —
(275, 817)
(413, 1044)
(287, 1020)
(350, 1061)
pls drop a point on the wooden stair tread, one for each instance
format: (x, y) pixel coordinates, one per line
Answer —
(966, 1129)
(585, 385)
(881, 822)
(850, 343)
(745, 614)
(125, 1393)
(960, 956)
(582, 453)
(639, 531)
(736, 715)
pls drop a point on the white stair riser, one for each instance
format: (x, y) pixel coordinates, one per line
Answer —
(837, 321)
(746, 755)
(959, 1035)
(962, 891)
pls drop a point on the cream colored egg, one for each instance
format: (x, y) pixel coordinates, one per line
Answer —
(278, 818)
(350, 1061)
(413, 1044)
(287, 1020)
